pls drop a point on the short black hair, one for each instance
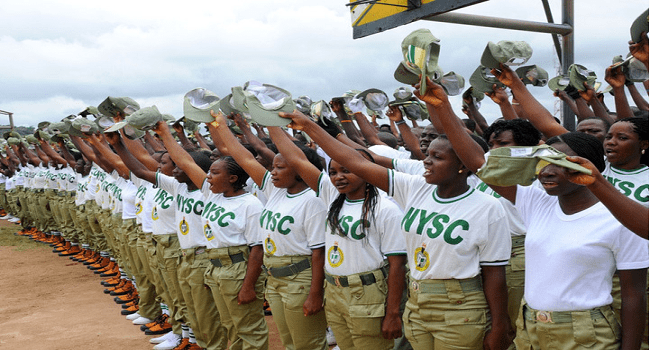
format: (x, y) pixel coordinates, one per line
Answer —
(389, 139)
(523, 131)
(584, 145)
(201, 159)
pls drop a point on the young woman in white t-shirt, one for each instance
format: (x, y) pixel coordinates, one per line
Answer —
(293, 228)
(362, 227)
(457, 241)
(573, 244)
(230, 224)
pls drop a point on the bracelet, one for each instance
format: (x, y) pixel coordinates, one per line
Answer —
(337, 135)
(346, 121)
(400, 122)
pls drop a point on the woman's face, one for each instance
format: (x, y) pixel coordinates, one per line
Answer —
(219, 177)
(441, 165)
(346, 182)
(623, 147)
(554, 178)
(282, 175)
(594, 127)
(215, 155)
(503, 139)
(166, 165)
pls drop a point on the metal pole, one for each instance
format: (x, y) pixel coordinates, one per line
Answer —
(549, 18)
(568, 118)
(503, 23)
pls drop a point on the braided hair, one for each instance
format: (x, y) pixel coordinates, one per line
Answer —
(367, 210)
(234, 169)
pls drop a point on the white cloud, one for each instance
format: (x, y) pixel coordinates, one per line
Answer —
(67, 51)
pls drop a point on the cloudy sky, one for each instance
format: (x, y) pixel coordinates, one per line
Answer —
(58, 57)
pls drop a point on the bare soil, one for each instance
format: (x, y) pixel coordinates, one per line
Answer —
(54, 303)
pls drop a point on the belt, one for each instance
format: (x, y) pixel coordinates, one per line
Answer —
(61, 194)
(193, 251)
(473, 284)
(366, 279)
(235, 258)
(39, 190)
(288, 270)
(556, 316)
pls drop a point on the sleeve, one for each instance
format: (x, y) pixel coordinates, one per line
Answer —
(408, 166)
(167, 183)
(496, 249)
(630, 251)
(325, 189)
(314, 225)
(389, 228)
(267, 187)
(399, 187)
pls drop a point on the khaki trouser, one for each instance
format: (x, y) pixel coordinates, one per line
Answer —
(355, 312)
(594, 329)
(148, 307)
(97, 238)
(202, 311)
(446, 314)
(168, 254)
(147, 253)
(286, 296)
(246, 326)
(515, 271)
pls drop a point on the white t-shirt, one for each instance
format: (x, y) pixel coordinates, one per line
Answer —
(230, 221)
(163, 212)
(39, 179)
(632, 183)
(409, 166)
(359, 252)
(449, 238)
(570, 259)
(189, 206)
(129, 191)
(291, 224)
(82, 188)
(143, 203)
(252, 188)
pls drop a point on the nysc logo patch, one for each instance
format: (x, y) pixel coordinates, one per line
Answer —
(335, 255)
(421, 257)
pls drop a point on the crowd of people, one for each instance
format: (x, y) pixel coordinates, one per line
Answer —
(388, 236)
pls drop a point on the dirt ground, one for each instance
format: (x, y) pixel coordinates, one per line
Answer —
(54, 303)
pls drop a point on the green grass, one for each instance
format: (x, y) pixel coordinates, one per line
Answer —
(8, 239)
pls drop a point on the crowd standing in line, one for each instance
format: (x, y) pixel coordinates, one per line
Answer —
(463, 235)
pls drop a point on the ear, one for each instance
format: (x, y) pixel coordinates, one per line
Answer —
(644, 145)
(232, 179)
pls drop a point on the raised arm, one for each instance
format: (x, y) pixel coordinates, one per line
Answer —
(368, 130)
(137, 168)
(346, 122)
(343, 154)
(639, 101)
(258, 145)
(199, 138)
(616, 79)
(178, 154)
(66, 154)
(52, 154)
(500, 97)
(533, 110)
(467, 150)
(138, 151)
(295, 157)
(631, 214)
(108, 155)
(591, 97)
(411, 142)
(244, 158)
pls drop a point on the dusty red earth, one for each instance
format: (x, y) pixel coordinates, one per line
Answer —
(54, 303)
